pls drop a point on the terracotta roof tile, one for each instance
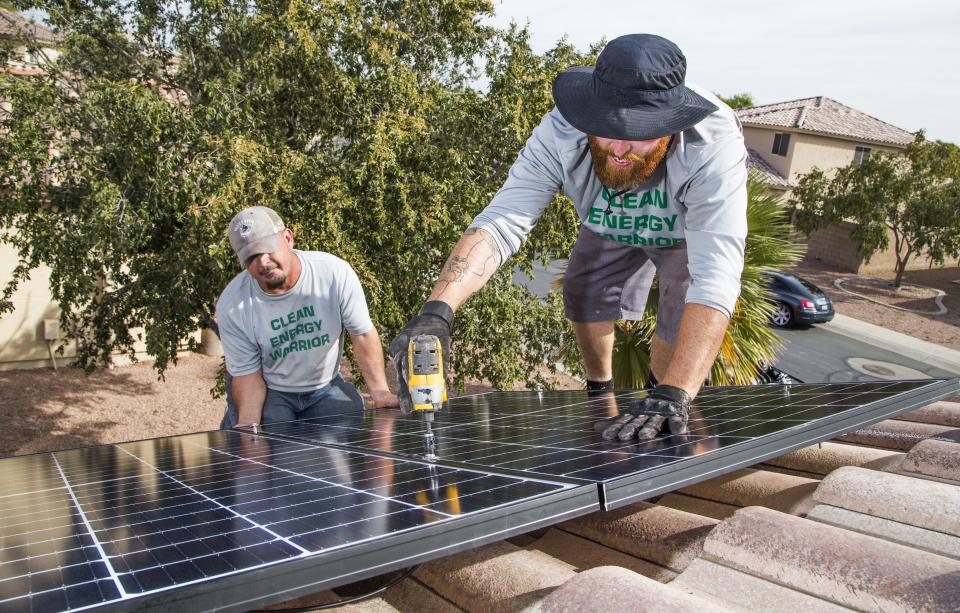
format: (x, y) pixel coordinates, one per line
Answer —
(826, 457)
(764, 171)
(900, 435)
(824, 115)
(502, 576)
(746, 592)
(584, 554)
(664, 536)
(887, 529)
(412, 595)
(12, 24)
(931, 458)
(749, 487)
(609, 588)
(943, 413)
(916, 502)
(854, 570)
(698, 506)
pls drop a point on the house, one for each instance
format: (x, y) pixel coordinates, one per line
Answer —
(30, 334)
(786, 140)
(22, 332)
(28, 60)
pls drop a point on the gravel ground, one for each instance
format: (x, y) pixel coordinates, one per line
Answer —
(47, 410)
(940, 329)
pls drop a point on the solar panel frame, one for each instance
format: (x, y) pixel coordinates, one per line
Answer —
(675, 470)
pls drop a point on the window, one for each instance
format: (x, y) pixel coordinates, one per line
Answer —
(861, 155)
(781, 142)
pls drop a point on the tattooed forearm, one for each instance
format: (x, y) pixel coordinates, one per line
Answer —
(473, 261)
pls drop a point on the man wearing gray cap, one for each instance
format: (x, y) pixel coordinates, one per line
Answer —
(657, 172)
(281, 325)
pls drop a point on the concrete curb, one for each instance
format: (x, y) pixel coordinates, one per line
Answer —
(908, 346)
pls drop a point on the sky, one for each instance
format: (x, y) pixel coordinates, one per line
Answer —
(895, 60)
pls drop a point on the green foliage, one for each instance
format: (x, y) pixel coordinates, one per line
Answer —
(737, 101)
(749, 343)
(354, 120)
(913, 195)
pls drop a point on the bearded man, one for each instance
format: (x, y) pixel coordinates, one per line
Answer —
(657, 172)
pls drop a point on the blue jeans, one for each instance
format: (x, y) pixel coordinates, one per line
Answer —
(335, 398)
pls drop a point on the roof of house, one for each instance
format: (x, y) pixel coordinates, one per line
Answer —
(824, 115)
(762, 169)
(12, 24)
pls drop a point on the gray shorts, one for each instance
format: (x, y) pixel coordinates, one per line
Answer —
(606, 281)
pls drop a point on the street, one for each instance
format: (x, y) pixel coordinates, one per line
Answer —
(816, 354)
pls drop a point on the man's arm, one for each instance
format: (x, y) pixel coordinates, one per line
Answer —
(698, 341)
(369, 353)
(472, 262)
(683, 372)
(249, 393)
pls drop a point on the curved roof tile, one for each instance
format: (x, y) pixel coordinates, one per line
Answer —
(824, 115)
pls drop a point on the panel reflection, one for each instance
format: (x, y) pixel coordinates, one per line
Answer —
(552, 433)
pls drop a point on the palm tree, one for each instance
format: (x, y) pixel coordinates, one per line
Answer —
(749, 344)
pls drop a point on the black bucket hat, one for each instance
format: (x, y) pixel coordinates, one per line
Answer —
(636, 91)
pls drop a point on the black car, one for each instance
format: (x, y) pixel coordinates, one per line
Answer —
(797, 301)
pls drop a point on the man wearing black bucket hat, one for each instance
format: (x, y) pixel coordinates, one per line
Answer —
(657, 172)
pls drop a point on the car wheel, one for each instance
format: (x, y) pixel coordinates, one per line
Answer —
(782, 317)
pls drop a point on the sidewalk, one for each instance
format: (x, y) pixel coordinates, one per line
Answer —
(908, 346)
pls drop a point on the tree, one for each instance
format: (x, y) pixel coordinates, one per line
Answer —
(355, 120)
(912, 196)
(738, 101)
(749, 344)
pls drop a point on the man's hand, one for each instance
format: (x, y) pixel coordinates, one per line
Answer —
(645, 417)
(436, 319)
(382, 399)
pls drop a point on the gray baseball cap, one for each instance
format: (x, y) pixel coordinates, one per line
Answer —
(254, 230)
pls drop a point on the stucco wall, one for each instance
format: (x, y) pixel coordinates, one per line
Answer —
(21, 332)
(22, 343)
(825, 153)
(805, 151)
(834, 246)
(761, 141)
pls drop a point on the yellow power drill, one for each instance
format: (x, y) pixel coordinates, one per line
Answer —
(425, 382)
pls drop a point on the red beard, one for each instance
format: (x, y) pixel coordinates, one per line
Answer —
(626, 178)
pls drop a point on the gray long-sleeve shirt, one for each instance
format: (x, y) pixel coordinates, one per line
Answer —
(699, 197)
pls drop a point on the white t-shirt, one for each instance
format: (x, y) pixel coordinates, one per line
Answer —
(697, 196)
(295, 338)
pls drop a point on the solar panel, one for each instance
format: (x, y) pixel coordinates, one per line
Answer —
(552, 435)
(227, 519)
(233, 520)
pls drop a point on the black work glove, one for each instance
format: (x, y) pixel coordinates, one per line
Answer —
(644, 418)
(436, 319)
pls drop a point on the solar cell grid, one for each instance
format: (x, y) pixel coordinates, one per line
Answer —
(115, 522)
(552, 434)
